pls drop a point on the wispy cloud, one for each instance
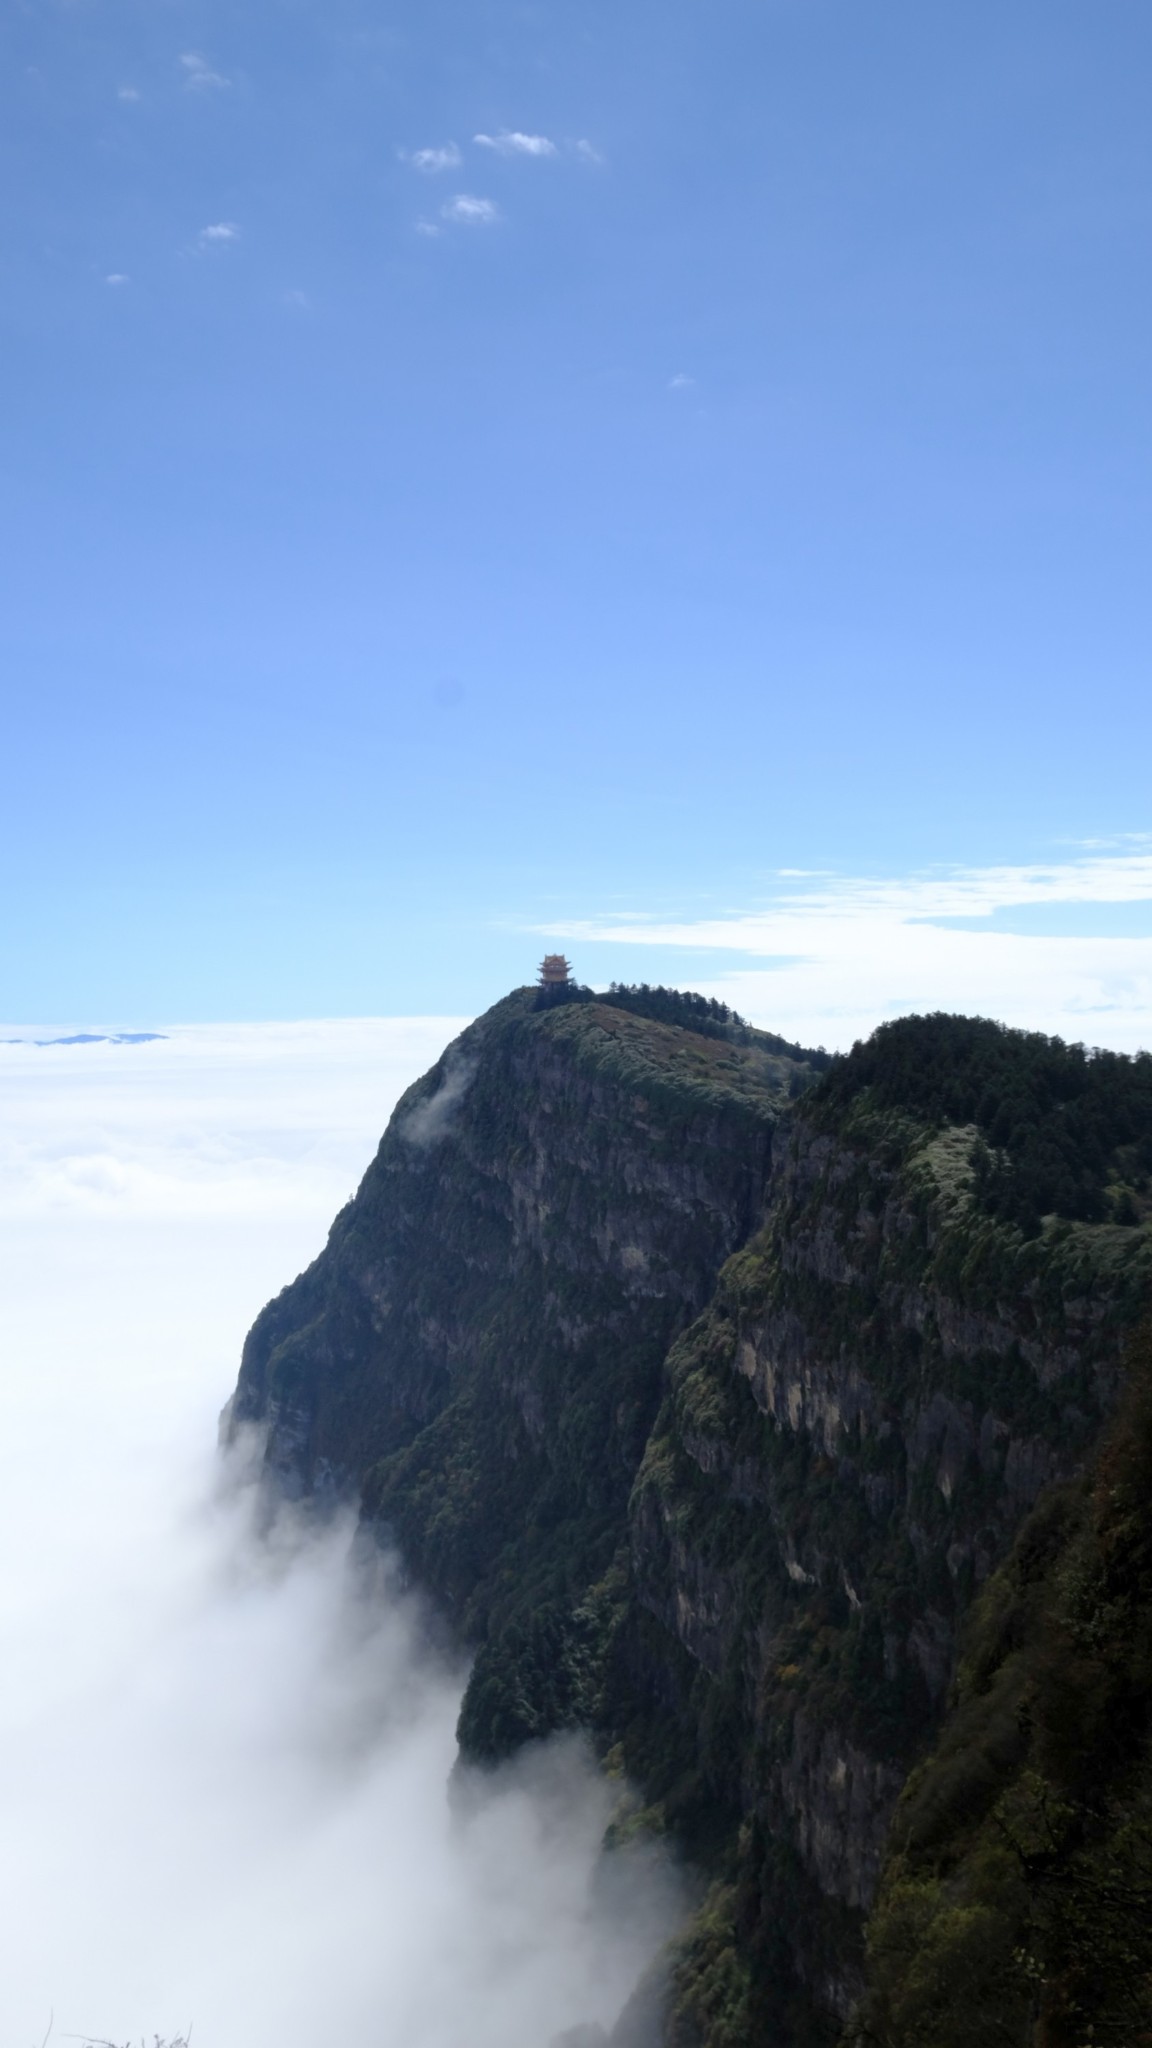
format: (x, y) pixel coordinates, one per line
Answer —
(199, 75)
(681, 381)
(431, 161)
(511, 142)
(433, 1117)
(469, 211)
(829, 957)
(127, 92)
(587, 150)
(218, 233)
(116, 277)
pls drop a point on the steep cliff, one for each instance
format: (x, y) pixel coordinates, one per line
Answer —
(1016, 1899)
(890, 1374)
(479, 1349)
(706, 1399)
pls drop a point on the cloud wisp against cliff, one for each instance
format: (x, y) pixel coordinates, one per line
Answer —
(1063, 947)
(432, 1118)
(225, 1770)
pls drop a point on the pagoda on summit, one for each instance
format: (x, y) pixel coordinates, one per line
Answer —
(555, 971)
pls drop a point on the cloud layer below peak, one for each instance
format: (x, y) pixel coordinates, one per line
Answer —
(210, 1735)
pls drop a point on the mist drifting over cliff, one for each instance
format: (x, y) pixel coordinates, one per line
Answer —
(225, 1760)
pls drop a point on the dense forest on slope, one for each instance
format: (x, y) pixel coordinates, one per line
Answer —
(1016, 1902)
(708, 1384)
(1058, 1130)
(709, 1017)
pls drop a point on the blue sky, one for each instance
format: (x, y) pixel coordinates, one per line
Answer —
(738, 462)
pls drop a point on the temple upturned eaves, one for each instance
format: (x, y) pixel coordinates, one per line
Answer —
(555, 971)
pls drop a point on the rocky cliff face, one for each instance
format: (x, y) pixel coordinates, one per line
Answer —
(1016, 1897)
(479, 1349)
(705, 1404)
(883, 1385)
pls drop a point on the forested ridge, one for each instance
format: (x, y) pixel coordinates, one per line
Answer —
(1057, 1129)
(780, 1421)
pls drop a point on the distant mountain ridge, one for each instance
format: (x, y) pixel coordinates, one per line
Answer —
(92, 1038)
(705, 1382)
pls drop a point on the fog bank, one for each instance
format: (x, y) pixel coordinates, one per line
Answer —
(224, 1765)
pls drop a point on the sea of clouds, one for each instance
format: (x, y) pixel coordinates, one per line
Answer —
(226, 1753)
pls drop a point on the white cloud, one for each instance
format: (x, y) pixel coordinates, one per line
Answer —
(470, 211)
(219, 232)
(428, 227)
(841, 953)
(681, 382)
(201, 1733)
(430, 161)
(433, 1118)
(116, 277)
(257, 1121)
(588, 151)
(200, 76)
(127, 92)
(511, 142)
